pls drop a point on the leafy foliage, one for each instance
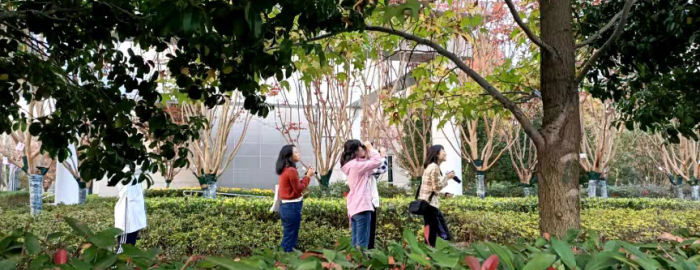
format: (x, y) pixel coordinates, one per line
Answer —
(241, 226)
(69, 52)
(23, 250)
(657, 88)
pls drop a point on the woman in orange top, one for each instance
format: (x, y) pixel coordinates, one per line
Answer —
(290, 192)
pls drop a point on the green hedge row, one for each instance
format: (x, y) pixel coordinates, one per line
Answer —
(12, 199)
(239, 226)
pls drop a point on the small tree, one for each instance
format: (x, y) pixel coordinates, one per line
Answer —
(599, 146)
(34, 163)
(523, 157)
(210, 153)
(677, 161)
(482, 157)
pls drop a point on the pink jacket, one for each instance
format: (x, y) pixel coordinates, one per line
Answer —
(359, 172)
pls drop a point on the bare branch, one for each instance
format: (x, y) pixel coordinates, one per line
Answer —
(618, 31)
(529, 32)
(507, 103)
(598, 34)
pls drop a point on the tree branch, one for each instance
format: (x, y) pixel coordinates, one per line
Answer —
(618, 31)
(598, 34)
(508, 104)
(529, 32)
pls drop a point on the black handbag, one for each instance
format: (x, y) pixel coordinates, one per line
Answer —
(419, 207)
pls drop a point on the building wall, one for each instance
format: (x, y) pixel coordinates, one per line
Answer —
(254, 165)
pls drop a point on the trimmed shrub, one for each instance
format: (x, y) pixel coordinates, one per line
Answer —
(239, 226)
(13, 199)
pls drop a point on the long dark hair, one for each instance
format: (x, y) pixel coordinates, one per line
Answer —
(350, 151)
(433, 155)
(285, 159)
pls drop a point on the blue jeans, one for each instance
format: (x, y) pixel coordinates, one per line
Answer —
(290, 213)
(361, 225)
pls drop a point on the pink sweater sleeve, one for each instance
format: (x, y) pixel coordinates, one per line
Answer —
(369, 165)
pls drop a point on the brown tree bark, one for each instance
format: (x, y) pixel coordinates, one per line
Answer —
(558, 168)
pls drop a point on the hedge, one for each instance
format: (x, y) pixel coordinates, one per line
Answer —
(239, 226)
(12, 199)
(334, 190)
(171, 192)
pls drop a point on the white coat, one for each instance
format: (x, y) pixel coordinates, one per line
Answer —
(130, 211)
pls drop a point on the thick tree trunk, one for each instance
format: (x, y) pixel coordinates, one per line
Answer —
(558, 168)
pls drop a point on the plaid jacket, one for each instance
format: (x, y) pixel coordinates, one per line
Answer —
(433, 182)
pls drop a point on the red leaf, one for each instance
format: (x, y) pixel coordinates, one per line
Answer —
(473, 263)
(491, 263)
(61, 257)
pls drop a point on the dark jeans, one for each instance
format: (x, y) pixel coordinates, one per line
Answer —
(435, 226)
(361, 223)
(290, 213)
(128, 239)
(373, 229)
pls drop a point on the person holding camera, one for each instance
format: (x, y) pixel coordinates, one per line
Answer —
(375, 195)
(290, 192)
(432, 183)
(358, 168)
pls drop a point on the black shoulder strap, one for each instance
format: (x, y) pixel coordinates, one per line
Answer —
(418, 191)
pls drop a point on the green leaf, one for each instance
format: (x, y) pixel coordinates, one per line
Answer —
(444, 260)
(106, 262)
(8, 264)
(503, 254)
(540, 261)
(80, 264)
(329, 255)
(78, 227)
(105, 239)
(612, 246)
(32, 244)
(414, 5)
(90, 254)
(4, 77)
(564, 251)
(601, 260)
(39, 262)
(229, 264)
(441, 244)
(187, 22)
(410, 238)
(419, 258)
